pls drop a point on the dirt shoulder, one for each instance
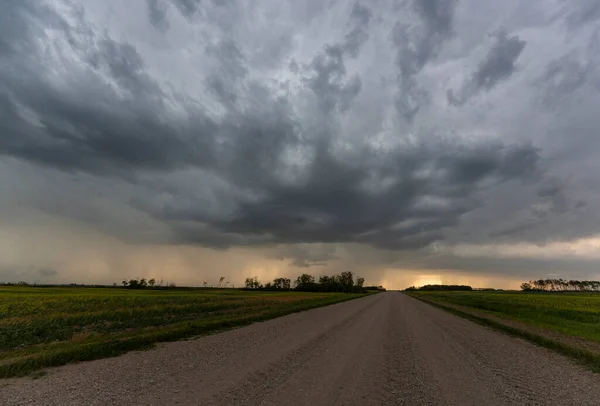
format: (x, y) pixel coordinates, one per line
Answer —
(534, 333)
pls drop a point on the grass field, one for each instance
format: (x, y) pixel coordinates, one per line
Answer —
(42, 327)
(573, 314)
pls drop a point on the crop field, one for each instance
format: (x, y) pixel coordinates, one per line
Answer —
(47, 326)
(574, 314)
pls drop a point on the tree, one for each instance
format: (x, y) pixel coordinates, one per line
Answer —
(561, 285)
(135, 283)
(253, 283)
(152, 282)
(282, 283)
(347, 281)
(305, 279)
(324, 279)
(526, 286)
(221, 279)
(445, 287)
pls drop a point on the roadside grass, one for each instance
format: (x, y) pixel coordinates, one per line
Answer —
(572, 314)
(45, 327)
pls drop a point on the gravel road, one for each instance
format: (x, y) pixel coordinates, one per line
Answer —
(386, 349)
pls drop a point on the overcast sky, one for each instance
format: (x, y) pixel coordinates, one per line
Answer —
(410, 141)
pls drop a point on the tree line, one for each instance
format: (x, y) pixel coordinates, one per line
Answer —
(439, 287)
(561, 285)
(343, 282)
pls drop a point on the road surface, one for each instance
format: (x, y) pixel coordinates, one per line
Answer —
(386, 349)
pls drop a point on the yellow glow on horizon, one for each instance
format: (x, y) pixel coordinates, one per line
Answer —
(394, 279)
(428, 280)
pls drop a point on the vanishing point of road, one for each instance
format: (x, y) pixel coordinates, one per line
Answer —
(385, 349)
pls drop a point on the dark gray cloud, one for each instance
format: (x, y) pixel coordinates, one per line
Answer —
(46, 272)
(498, 65)
(551, 200)
(330, 206)
(96, 128)
(583, 12)
(157, 13)
(88, 124)
(361, 16)
(563, 77)
(416, 45)
(308, 255)
(327, 77)
(328, 81)
(187, 7)
(514, 229)
(232, 68)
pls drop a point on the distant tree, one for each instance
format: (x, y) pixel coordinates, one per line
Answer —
(445, 287)
(253, 283)
(305, 279)
(135, 283)
(221, 279)
(324, 279)
(282, 283)
(347, 280)
(526, 286)
(152, 282)
(560, 285)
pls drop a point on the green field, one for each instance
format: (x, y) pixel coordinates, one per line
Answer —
(41, 327)
(573, 314)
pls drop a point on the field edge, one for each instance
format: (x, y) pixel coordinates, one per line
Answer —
(107, 349)
(582, 356)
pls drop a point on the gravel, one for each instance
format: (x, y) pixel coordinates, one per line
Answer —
(386, 349)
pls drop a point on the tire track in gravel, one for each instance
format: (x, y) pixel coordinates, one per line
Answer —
(409, 381)
(269, 381)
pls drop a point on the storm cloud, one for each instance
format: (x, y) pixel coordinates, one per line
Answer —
(498, 65)
(299, 129)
